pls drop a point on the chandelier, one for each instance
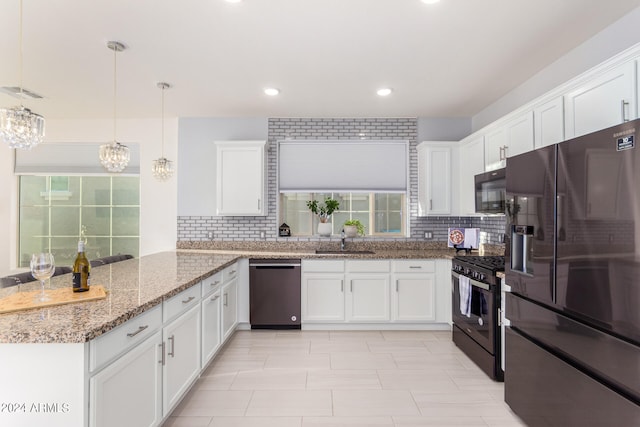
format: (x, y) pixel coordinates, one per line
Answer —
(113, 155)
(162, 168)
(19, 126)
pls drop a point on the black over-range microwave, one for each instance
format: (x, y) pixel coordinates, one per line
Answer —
(491, 192)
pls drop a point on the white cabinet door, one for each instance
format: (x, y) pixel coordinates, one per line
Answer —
(229, 307)
(495, 143)
(240, 178)
(519, 133)
(602, 102)
(471, 164)
(128, 392)
(367, 297)
(548, 123)
(323, 297)
(414, 297)
(434, 178)
(181, 368)
(211, 330)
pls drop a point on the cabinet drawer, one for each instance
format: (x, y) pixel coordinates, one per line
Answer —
(414, 266)
(181, 302)
(120, 339)
(323, 266)
(211, 283)
(229, 272)
(376, 266)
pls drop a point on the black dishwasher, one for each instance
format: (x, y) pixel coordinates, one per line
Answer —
(274, 293)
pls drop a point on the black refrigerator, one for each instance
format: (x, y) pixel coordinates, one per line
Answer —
(573, 265)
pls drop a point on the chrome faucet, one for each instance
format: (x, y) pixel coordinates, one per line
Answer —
(342, 237)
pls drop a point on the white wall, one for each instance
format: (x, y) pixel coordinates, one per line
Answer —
(443, 128)
(197, 158)
(614, 39)
(158, 200)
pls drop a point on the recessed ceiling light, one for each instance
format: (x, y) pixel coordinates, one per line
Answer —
(385, 91)
(272, 91)
(430, 1)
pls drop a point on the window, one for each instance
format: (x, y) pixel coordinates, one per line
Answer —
(382, 214)
(55, 210)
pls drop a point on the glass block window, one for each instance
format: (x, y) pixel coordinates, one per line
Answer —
(56, 210)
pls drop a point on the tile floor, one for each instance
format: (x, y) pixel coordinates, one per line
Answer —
(343, 378)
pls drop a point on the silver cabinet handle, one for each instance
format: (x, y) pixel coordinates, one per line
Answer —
(415, 266)
(341, 285)
(351, 286)
(214, 298)
(225, 300)
(172, 352)
(623, 106)
(501, 155)
(140, 329)
(430, 204)
(397, 285)
(215, 283)
(188, 300)
(162, 359)
(232, 272)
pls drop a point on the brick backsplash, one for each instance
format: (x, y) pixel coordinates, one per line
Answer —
(196, 228)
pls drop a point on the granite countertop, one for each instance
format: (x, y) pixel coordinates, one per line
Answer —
(136, 285)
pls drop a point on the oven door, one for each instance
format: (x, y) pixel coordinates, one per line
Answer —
(474, 310)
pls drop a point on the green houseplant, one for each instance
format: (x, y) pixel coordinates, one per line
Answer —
(324, 210)
(353, 228)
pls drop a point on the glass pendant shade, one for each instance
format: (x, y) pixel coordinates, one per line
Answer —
(162, 168)
(21, 128)
(114, 156)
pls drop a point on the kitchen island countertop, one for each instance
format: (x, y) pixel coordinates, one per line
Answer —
(136, 285)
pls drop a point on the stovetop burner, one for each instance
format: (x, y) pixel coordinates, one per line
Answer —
(494, 262)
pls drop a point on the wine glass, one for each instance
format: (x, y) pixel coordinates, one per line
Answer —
(42, 268)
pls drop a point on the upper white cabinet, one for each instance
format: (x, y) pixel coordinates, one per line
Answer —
(434, 178)
(602, 102)
(471, 164)
(513, 138)
(240, 178)
(548, 122)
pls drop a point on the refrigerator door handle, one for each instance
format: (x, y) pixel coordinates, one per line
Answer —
(624, 106)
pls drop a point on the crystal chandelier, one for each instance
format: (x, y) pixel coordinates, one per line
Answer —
(163, 167)
(19, 126)
(113, 155)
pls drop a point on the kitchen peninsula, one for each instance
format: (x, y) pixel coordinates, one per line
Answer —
(59, 359)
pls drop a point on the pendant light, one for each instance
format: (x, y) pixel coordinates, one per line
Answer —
(163, 167)
(19, 127)
(113, 155)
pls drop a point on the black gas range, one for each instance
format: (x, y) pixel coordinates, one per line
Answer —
(476, 310)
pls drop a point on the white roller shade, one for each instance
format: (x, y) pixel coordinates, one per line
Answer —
(69, 159)
(353, 166)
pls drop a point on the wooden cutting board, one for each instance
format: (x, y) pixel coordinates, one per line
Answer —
(26, 300)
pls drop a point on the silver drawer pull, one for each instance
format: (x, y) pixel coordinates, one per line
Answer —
(215, 298)
(188, 300)
(140, 329)
(172, 352)
(415, 266)
(226, 299)
(215, 283)
(162, 359)
(232, 272)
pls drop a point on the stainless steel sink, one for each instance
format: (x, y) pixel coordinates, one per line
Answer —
(345, 252)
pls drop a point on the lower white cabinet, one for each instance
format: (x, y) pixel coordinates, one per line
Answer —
(323, 297)
(229, 307)
(367, 298)
(414, 291)
(128, 392)
(181, 357)
(211, 328)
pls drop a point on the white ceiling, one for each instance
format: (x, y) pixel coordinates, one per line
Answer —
(327, 57)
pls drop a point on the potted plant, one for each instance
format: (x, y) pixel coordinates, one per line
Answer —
(353, 228)
(324, 211)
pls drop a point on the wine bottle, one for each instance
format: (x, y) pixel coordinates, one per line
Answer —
(81, 270)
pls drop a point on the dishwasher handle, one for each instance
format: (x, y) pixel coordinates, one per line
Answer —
(273, 266)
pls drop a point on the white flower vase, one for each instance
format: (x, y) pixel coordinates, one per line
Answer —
(324, 229)
(350, 230)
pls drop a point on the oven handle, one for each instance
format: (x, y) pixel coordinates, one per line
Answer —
(473, 282)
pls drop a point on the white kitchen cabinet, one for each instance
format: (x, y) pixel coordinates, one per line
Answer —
(603, 101)
(229, 307)
(211, 328)
(434, 178)
(367, 298)
(181, 357)
(240, 178)
(323, 297)
(548, 122)
(471, 164)
(513, 138)
(413, 292)
(128, 392)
